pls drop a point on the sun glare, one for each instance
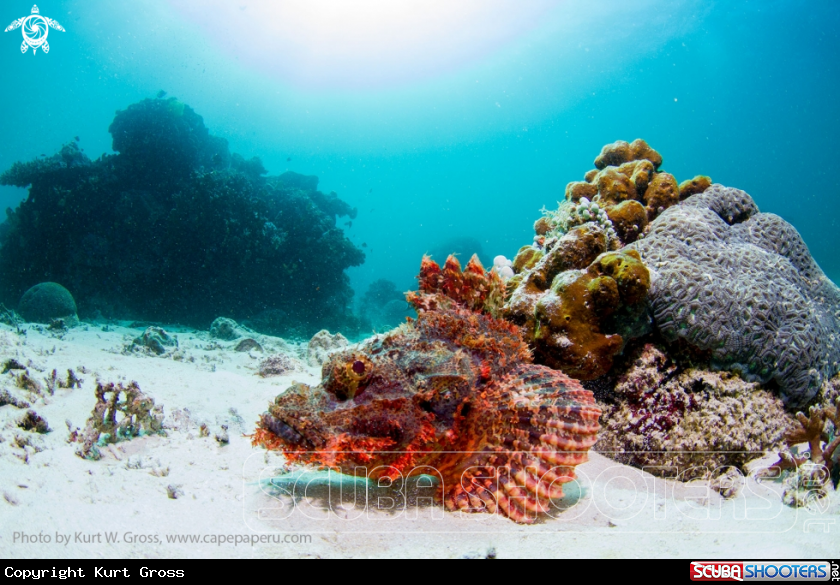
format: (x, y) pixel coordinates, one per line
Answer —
(362, 43)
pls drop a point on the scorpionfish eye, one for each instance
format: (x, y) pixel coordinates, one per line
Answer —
(348, 375)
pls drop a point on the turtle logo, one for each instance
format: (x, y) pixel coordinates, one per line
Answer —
(35, 29)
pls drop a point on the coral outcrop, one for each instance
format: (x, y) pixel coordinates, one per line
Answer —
(686, 422)
(577, 310)
(48, 302)
(719, 287)
(696, 319)
(175, 229)
(566, 295)
(121, 413)
(623, 194)
(742, 286)
(450, 394)
(165, 140)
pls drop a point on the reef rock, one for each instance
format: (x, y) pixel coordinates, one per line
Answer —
(451, 395)
(155, 340)
(322, 345)
(48, 302)
(225, 329)
(685, 422)
(742, 285)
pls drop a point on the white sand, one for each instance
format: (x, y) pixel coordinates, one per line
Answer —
(45, 488)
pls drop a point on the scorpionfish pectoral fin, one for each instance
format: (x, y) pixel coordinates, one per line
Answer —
(538, 425)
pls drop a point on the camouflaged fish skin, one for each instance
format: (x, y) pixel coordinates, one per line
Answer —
(452, 395)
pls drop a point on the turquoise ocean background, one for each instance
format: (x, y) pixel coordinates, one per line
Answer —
(443, 120)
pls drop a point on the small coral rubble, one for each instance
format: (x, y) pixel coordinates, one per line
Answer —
(225, 329)
(121, 412)
(32, 421)
(278, 365)
(248, 344)
(155, 340)
(70, 382)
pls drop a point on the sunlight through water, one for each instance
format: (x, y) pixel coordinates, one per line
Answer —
(366, 43)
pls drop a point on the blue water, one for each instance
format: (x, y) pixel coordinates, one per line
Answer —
(467, 127)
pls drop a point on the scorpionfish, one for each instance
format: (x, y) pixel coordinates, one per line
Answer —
(452, 394)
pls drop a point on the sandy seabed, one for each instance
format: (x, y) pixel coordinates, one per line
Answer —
(231, 500)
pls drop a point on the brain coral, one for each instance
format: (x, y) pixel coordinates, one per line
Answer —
(742, 285)
(47, 301)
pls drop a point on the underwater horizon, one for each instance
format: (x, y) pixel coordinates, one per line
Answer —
(442, 124)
